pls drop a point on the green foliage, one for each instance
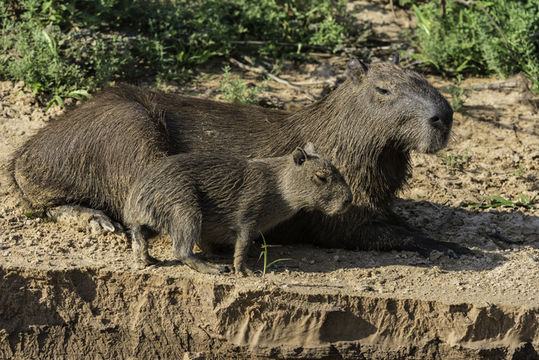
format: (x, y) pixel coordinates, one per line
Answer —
(264, 254)
(466, 40)
(236, 91)
(495, 201)
(61, 46)
(454, 162)
(458, 94)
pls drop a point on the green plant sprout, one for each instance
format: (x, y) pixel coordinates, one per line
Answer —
(264, 253)
(458, 94)
(236, 91)
(453, 161)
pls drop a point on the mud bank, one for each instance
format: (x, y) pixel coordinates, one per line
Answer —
(73, 313)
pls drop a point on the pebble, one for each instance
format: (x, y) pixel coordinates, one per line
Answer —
(365, 288)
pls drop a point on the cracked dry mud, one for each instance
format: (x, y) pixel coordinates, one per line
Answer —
(67, 292)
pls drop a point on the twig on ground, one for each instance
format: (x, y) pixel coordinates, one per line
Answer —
(413, 63)
(499, 85)
(331, 81)
(258, 42)
(262, 71)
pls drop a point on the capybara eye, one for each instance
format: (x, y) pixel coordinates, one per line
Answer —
(320, 178)
(382, 91)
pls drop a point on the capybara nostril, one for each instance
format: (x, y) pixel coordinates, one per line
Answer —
(435, 121)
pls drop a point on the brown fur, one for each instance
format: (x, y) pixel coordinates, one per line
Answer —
(215, 199)
(366, 127)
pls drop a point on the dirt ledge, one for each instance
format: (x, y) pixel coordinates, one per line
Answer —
(73, 313)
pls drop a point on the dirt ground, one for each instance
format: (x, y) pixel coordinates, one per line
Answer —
(60, 281)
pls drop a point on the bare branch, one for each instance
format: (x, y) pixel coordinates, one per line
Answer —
(262, 71)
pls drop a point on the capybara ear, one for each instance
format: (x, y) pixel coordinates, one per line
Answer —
(299, 156)
(396, 58)
(356, 69)
(309, 148)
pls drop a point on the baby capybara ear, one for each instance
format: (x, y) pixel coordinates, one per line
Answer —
(310, 149)
(299, 156)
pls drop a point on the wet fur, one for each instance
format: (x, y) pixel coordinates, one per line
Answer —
(93, 153)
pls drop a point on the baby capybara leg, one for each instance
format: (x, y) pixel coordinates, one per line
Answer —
(185, 233)
(140, 247)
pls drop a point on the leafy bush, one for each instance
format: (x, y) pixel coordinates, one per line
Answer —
(236, 91)
(60, 46)
(466, 40)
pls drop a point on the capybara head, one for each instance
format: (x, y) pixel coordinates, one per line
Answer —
(400, 107)
(312, 182)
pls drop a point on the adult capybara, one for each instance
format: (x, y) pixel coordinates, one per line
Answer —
(367, 127)
(217, 199)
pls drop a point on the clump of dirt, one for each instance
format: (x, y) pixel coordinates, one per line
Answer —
(66, 291)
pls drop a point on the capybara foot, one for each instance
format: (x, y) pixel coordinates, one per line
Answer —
(424, 246)
(80, 217)
(244, 271)
(205, 267)
(145, 260)
(149, 260)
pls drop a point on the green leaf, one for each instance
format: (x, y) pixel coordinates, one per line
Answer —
(278, 260)
(500, 200)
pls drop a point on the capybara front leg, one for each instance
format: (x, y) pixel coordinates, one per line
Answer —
(240, 252)
(140, 247)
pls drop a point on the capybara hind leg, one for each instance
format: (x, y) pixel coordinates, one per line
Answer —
(140, 247)
(80, 217)
(185, 232)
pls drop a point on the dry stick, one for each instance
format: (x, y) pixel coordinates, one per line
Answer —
(330, 81)
(498, 85)
(392, 9)
(259, 70)
(259, 42)
(469, 2)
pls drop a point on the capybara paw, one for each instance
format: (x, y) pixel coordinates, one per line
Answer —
(144, 261)
(76, 216)
(244, 271)
(149, 260)
(425, 246)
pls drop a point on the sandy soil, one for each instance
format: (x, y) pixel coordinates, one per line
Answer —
(65, 282)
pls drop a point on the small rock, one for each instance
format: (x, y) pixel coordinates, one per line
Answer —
(194, 356)
(365, 288)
